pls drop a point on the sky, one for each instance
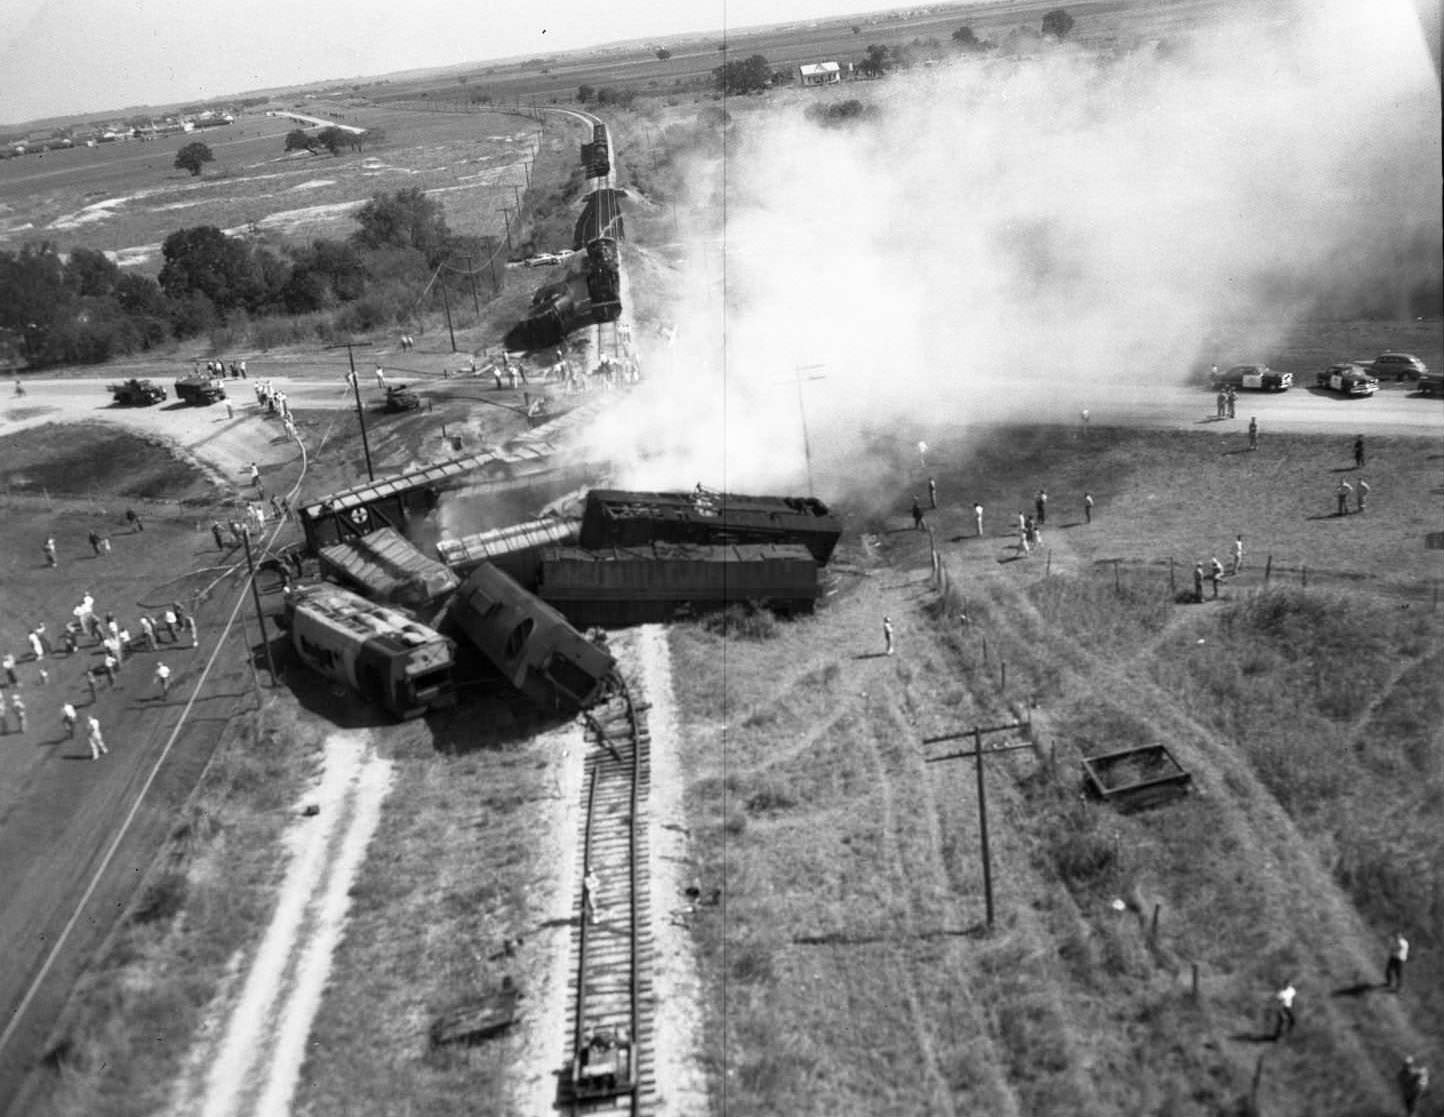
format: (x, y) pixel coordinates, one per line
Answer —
(60, 57)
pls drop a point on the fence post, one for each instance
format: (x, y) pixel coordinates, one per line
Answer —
(1268, 569)
(1153, 926)
(1116, 587)
(1193, 985)
(1003, 664)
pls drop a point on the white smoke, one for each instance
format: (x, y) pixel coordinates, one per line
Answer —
(1005, 233)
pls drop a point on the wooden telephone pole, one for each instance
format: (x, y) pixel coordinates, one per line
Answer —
(978, 752)
(349, 346)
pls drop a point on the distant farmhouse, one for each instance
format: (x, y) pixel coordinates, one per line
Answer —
(819, 73)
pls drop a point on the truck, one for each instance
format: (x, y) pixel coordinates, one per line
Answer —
(200, 390)
(136, 393)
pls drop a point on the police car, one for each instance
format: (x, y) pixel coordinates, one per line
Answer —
(1258, 377)
(1349, 379)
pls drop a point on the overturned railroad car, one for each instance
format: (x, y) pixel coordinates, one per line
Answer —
(515, 548)
(653, 582)
(386, 566)
(544, 657)
(616, 518)
(383, 654)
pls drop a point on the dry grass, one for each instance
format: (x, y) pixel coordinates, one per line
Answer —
(846, 969)
(133, 1018)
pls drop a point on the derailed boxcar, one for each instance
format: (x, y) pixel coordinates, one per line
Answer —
(532, 644)
(615, 518)
(383, 654)
(386, 566)
(654, 582)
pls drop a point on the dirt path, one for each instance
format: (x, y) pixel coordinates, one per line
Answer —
(257, 1063)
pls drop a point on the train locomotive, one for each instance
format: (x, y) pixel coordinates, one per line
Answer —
(591, 294)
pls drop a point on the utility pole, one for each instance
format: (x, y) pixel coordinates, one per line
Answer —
(506, 212)
(516, 193)
(356, 388)
(446, 305)
(471, 277)
(256, 596)
(978, 752)
(802, 413)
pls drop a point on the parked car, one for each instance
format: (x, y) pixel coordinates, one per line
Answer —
(1399, 366)
(1259, 377)
(1431, 383)
(1350, 379)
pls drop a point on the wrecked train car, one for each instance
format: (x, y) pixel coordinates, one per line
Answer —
(616, 518)
(654, 582)
(387, 567)
(529, 642)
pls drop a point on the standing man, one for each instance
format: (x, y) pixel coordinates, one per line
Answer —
(887, 634)
(49, 549)
(1220, 404)
(1198, 582)
(90, 683)
(1394, 967)
(1083, 415)
(932, 493)
(169, 620)
(147, 629)
(68, 717)
(1231, 398)
(1253, 434)
(1087, 508)
(94, 538)
(1413, 1084)
(97, 742)
(110, 665)
(1359, 451)
(1342, 493)
(162, 679)
(978, 518)
(219, 537)
(1363, 494)
(37, 649)
(135, 522)
(17, 707)
(255, 475)
(9, 665)
(1040, 506)
(917, 515)
(1215, 574)
(1284, 1009)
(1237, 555)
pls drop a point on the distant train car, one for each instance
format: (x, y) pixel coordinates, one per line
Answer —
(529, 642)
(597, 155)
(516, 548)
(655, 582)
(386, 566)
(601, 216)
(383, 654)
(614, 518)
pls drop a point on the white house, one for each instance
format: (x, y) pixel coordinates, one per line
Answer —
(819, 73)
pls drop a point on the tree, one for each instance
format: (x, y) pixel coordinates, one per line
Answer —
(585, 93)
(204, 261)
(744, 77)
(91, 273)
(1057, 23)
(663, 53)
(298, 139)
(876, 62)
(405, 219)
(193, 156)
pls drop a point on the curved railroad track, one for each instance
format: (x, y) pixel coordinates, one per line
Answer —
(609, 1007)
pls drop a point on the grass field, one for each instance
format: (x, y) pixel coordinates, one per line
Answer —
(849, 968)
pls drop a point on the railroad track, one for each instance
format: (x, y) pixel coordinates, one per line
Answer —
(610, 997)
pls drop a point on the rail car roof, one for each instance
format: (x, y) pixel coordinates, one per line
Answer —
(484, 545)
(390, 566)
(620, 503)
(391, 627)
(442, 474)
(686, 552)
